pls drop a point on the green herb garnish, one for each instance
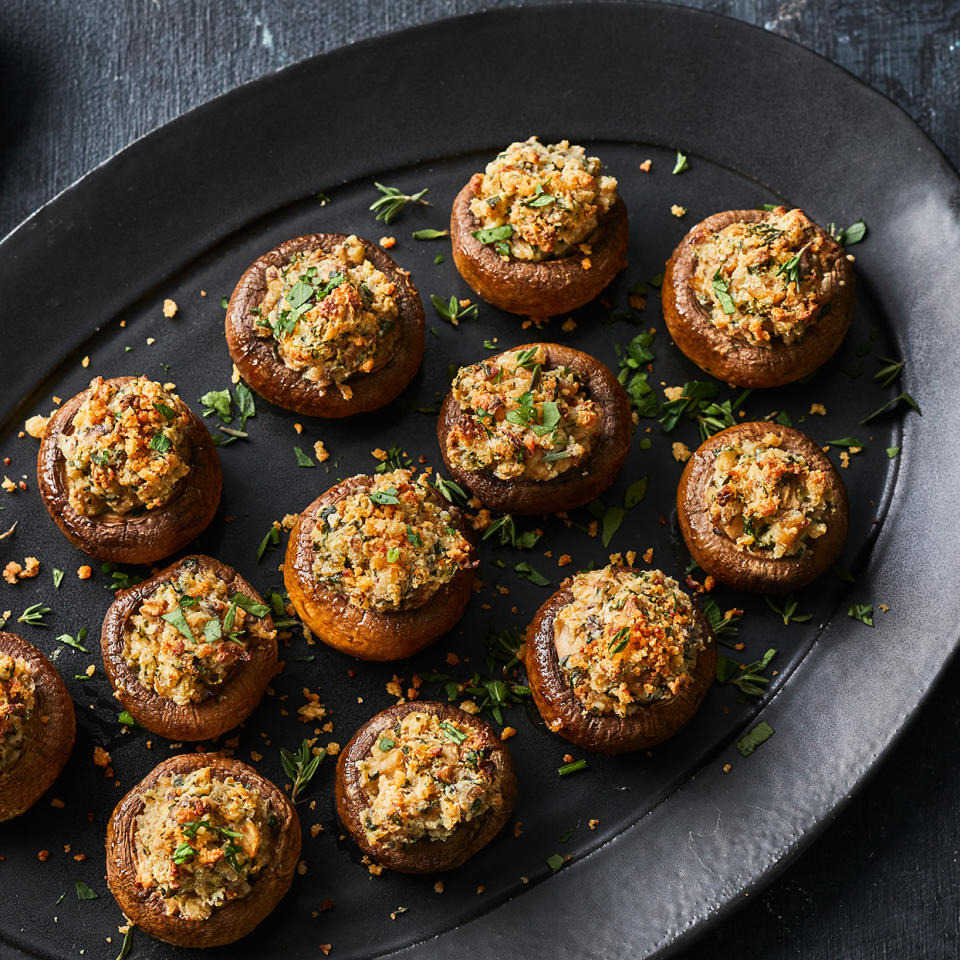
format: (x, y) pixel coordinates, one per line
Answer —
(754, 737)
(493, 234)
(270, 541)
(619, 641)
(34, 615)
(84, 892)
(574, 767)
(160, 443)
(388, 206)
(889, 372)
(385, 497)
(57, 578)
(302, 459)
(788, 611)
(452, 311)
(177, 619)
(452, 733)
(300, 766)
(430, 234)
(722, 290)
(862, 612)
(77, 643)
(251, 606)
(168, 412)
(905, 397)
(749, 679)
(526, 572)
(183, 853)
(555, 862)
(681, 165)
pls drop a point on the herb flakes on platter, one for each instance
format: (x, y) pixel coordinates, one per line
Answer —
(392, 201)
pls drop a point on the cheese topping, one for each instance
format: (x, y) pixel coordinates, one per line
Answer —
(767, 499)
(765, 280)
(423, 778)
(185, 639)
(201, 841)
(17, 701)
(390, 546)
(627, 639)
(330, 313)
(126, 448)
(545, 200)
(522, 421)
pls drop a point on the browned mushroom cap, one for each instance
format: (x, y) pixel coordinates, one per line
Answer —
(718, 555)
(423, 856)
(256, 358)
(546, 287)
(48, 732)
(563, 712)
(238, 917)
(573, 487)
(368, 634)
(735, 360)
(142, 538)
(230, 705)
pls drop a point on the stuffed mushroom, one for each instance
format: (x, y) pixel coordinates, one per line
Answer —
(190, 651)
(128, 472)
(541, 231)
(380, 566)
(326, 325)
(536, 429)
(762, 508)
(37, 725)
(619, 659)
(422, 787)
(758, 298)
(201, 850)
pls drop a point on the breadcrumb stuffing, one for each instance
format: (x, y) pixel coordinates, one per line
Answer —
(593, 824)
(36, 426)
(85, 572)
(388, 243)
(646, 166)
(681, 452)
(320, 452)
(818, 409)
(507, 733)
(169, 308)
(678, 211)
(673, 393)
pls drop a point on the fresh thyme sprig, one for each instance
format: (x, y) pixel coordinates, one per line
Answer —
(452, 310)
(388, 206)
(300, 766)
(509, 535)
(889, 372)
(34, 615)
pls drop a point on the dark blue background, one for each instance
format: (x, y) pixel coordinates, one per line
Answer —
(79, 81)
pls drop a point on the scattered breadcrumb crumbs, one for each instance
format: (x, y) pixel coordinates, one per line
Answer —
(85, 362)
(568, 758)
(100, 757)
(631, 557)
(85, 572)
(325, 949)
(637, 301)
(468, 706)
(648, 555)
(518, 828)
(568, 325)
(234, 374)
(388, 243)
(592, 528)
(585, 263)
(333, 748)
(313, 709)
(507, 733)
(646, 165)
(255, 756)
(320, 452)
(673, 393)
(438, 887)
(375, 869)
(169, 308)
(481, 889)
(302, 867)
(678, 211)
(91, 670)
(564, 559)
(169, 385)
(58, 803)
(36, 426)
(593, 824)
(13, 572)
(883, 607)
(8, 485)
(844, 459)
(615, 559)
(43, 856)
(151, 341)
(316, 829)
(379, 454)
(452, 659)
(681, 452)
(289, 520)
(853, 451)
(819, 409)
(727, 767)
(709, 582)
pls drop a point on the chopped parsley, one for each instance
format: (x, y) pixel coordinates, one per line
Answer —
(493, 234)
(574, 767)
(430, 234)
(862, 612)
(302, 459)
(754, 737)
(452, 310)
(682, 164)
(788, 611)
(385, 497)
(76, 643)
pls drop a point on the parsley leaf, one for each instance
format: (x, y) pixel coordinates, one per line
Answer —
(302, 459)
(754, 737)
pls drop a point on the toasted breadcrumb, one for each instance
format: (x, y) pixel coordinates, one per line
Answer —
(169, 308)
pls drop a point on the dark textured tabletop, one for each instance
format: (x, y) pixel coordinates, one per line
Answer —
(78, 81)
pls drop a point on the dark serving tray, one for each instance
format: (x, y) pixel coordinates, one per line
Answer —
(679, 842)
